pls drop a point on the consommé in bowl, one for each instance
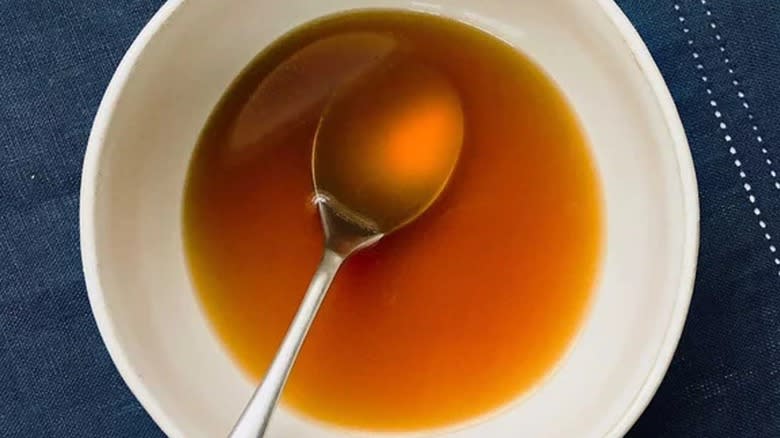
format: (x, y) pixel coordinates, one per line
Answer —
(176, 71)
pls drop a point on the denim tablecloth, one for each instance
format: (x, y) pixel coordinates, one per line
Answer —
(720, 58)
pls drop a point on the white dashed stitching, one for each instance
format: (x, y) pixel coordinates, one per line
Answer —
(719, 113)
(746, 105)
(740, 94)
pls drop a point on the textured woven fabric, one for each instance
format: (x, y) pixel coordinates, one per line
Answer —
(720, 58)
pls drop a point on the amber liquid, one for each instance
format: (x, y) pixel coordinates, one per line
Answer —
(450, 318)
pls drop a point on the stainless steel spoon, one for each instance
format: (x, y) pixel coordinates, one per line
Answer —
(385, 149)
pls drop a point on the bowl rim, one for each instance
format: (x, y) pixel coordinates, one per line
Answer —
(651, 74)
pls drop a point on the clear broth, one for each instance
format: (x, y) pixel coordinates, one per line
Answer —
(451, 317)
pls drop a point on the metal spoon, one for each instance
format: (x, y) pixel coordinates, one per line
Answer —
(385, 149)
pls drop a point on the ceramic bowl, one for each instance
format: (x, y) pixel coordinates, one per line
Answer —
(171, 78)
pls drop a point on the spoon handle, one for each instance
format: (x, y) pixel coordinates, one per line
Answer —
(254, 420)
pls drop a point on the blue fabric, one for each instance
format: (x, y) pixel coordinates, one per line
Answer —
(56, 58)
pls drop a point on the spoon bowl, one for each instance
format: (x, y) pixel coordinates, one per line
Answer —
(386, 149)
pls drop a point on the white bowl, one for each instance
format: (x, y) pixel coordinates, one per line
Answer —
(173, 75)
